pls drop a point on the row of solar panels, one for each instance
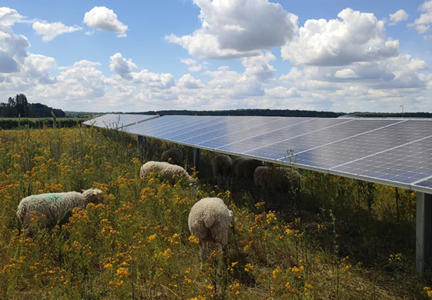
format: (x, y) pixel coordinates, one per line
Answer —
(396, 152)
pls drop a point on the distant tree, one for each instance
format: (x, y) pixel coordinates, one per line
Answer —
(19, 106)
(11, 102)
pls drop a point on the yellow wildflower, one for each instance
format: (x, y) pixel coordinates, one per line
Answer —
(248, 267)
(270, 217)
(193, 239)
(276, 272)
(122, 272)
(152, 237)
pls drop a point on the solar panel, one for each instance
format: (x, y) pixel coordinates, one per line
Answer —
(115, 121)
(392, 151)
(406, 163)
(424, 183)
(386, 151)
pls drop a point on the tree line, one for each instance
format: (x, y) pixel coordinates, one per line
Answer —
(19, 106)
(250, 112)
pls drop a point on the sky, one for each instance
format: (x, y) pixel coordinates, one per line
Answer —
(134, 56)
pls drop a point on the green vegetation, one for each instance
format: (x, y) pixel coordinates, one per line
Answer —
(11, 123)
(250, 112)
(18, 106)
(339, 239)
(393, 115)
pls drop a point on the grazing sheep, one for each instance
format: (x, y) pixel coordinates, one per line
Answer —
(209, 220)
(167, 171)
(52, 208)
(172, 155)
(244, 168)
(221, 167)
(279, 179)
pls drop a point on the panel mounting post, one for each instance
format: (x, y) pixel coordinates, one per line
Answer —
(196, 158)
(141, 142)
(423, 230)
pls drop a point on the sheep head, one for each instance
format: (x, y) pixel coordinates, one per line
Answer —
(92, 195)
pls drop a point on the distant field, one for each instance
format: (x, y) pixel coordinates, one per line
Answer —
(338, 239)
(11, 123)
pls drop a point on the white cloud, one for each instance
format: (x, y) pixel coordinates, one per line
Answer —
(8, 17)
(103, 18)
(50, 30)
(364, 86)
(189, 82)
(77, 85)
(354, 37)
(259, 66)
(398, 16)
(193, 65)
(38, 67)
(13, 47)
(153, 80)
(424, 22)
(121, 66)
(345, 74)
(238, 28)
(7, 63)
(281, 92)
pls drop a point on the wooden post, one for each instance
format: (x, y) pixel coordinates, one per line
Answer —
(196, 158)
(54, 119)
(423, 230)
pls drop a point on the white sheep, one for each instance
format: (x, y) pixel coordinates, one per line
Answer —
(52, 208)
(244, 168)
(209, 221)
(221, 167)
(172, 155)
(279, 179)
(167, 171)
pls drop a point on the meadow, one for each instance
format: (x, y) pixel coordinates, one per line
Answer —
(337, 239)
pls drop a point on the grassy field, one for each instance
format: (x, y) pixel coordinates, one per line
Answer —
(338, 239)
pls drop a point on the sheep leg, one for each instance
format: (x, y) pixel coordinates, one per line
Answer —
(203, 251)
(219, 248)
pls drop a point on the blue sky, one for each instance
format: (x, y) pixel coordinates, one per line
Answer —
(221, 54)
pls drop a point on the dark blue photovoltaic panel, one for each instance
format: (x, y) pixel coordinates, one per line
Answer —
(246, 127)
(299, 139)
(425, 183)
(199, 129)
(161, 125)
(230, 126)
(195, 124)
(114, 121)
(393, 151)
(314, 139)
(406, 164)
(360, 146)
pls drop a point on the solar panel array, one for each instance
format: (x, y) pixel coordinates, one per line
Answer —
(116, 121)
(396, 152)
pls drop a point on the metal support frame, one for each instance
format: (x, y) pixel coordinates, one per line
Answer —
(141, 142)
(423, 230)
(196, 158)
